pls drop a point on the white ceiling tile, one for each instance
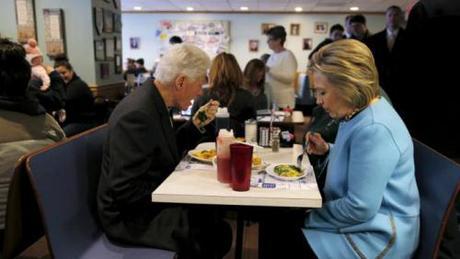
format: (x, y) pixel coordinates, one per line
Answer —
(263, 5)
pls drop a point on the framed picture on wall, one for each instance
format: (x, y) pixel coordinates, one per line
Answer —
(108, 21)
(320, 27)
(266, 26)
(253, 45)
(307, 44)
(98, 19)
(134, 42)
(295, 29)
(99, 50)
(109, 48)
(54, 32)
(25, 20)
(118, 64)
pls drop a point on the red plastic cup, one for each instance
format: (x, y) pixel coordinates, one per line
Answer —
(241, 163)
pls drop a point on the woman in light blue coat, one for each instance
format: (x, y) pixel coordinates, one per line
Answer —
(372, 205)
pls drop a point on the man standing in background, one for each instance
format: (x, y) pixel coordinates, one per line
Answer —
(386, 46)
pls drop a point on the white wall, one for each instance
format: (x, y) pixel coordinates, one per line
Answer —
(78, 31)
(242, 26)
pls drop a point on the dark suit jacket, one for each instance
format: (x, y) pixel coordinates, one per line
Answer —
(141, 150)
(387, 62)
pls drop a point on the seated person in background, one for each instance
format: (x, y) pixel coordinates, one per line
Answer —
(225, 86)
(175, 40)
(25, 125)
(140, 69)
(142, 150)
(371, 202)
(254, 82)
(130, 68)
(35, 58)
(79, 102)
(335, 33)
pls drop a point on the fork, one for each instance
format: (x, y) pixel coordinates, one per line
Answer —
(303, 159)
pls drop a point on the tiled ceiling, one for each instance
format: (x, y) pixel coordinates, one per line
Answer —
(262, 5)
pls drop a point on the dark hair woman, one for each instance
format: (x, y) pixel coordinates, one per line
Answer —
(254, 82)
(79, 106)
(225, 85)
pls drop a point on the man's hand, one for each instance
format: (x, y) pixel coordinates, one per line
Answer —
(205, 114)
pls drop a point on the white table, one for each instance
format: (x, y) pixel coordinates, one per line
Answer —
(194, 186)
(201, 187)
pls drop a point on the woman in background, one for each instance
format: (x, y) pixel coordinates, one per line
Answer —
(79, 102)
(254, 82)
(281, 69)
(225, 85)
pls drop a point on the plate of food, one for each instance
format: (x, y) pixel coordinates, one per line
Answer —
(286, 172)
(257, 162)
(203, 155)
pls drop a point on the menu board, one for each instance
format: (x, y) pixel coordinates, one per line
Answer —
(211, 36)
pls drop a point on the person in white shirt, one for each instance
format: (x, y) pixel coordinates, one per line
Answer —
(281, 69)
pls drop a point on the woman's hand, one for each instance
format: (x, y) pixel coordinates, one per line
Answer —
(316, 144)
(205, 114)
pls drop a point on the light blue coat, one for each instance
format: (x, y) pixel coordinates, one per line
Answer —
(372, 204)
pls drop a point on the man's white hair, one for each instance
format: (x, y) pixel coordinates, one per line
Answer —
(182, 59)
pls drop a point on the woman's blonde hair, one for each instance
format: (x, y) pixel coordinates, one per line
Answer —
(349, 66)
(225, 77)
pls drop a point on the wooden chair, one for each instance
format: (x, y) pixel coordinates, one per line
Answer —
(438, 181)
(64, 178)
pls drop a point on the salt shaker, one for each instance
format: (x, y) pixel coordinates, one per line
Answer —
(275, 141)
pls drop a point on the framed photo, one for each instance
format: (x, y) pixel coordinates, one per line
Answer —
(98, 19)
(321, 27)
(307, 44)
(99, 50)
(108, 21)
(104, 70)
(295, 29)
(54, 32)
(109, 49)
(117, 43)
(253, 45)
(134, 42)
(25, 20)
(266, 26)
(116, 22)
(118, 64)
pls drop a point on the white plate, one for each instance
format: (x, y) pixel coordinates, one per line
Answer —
(258, 167)
(271, 171)
(191, 153)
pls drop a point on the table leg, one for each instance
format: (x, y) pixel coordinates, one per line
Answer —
(239, 236)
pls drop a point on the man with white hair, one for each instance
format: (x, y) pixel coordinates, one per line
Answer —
(142, 150)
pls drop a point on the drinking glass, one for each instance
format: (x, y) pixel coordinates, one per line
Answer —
(241, 163)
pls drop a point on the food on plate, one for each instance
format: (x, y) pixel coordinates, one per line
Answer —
(286, 170)
(205, 153)
(256, 160)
